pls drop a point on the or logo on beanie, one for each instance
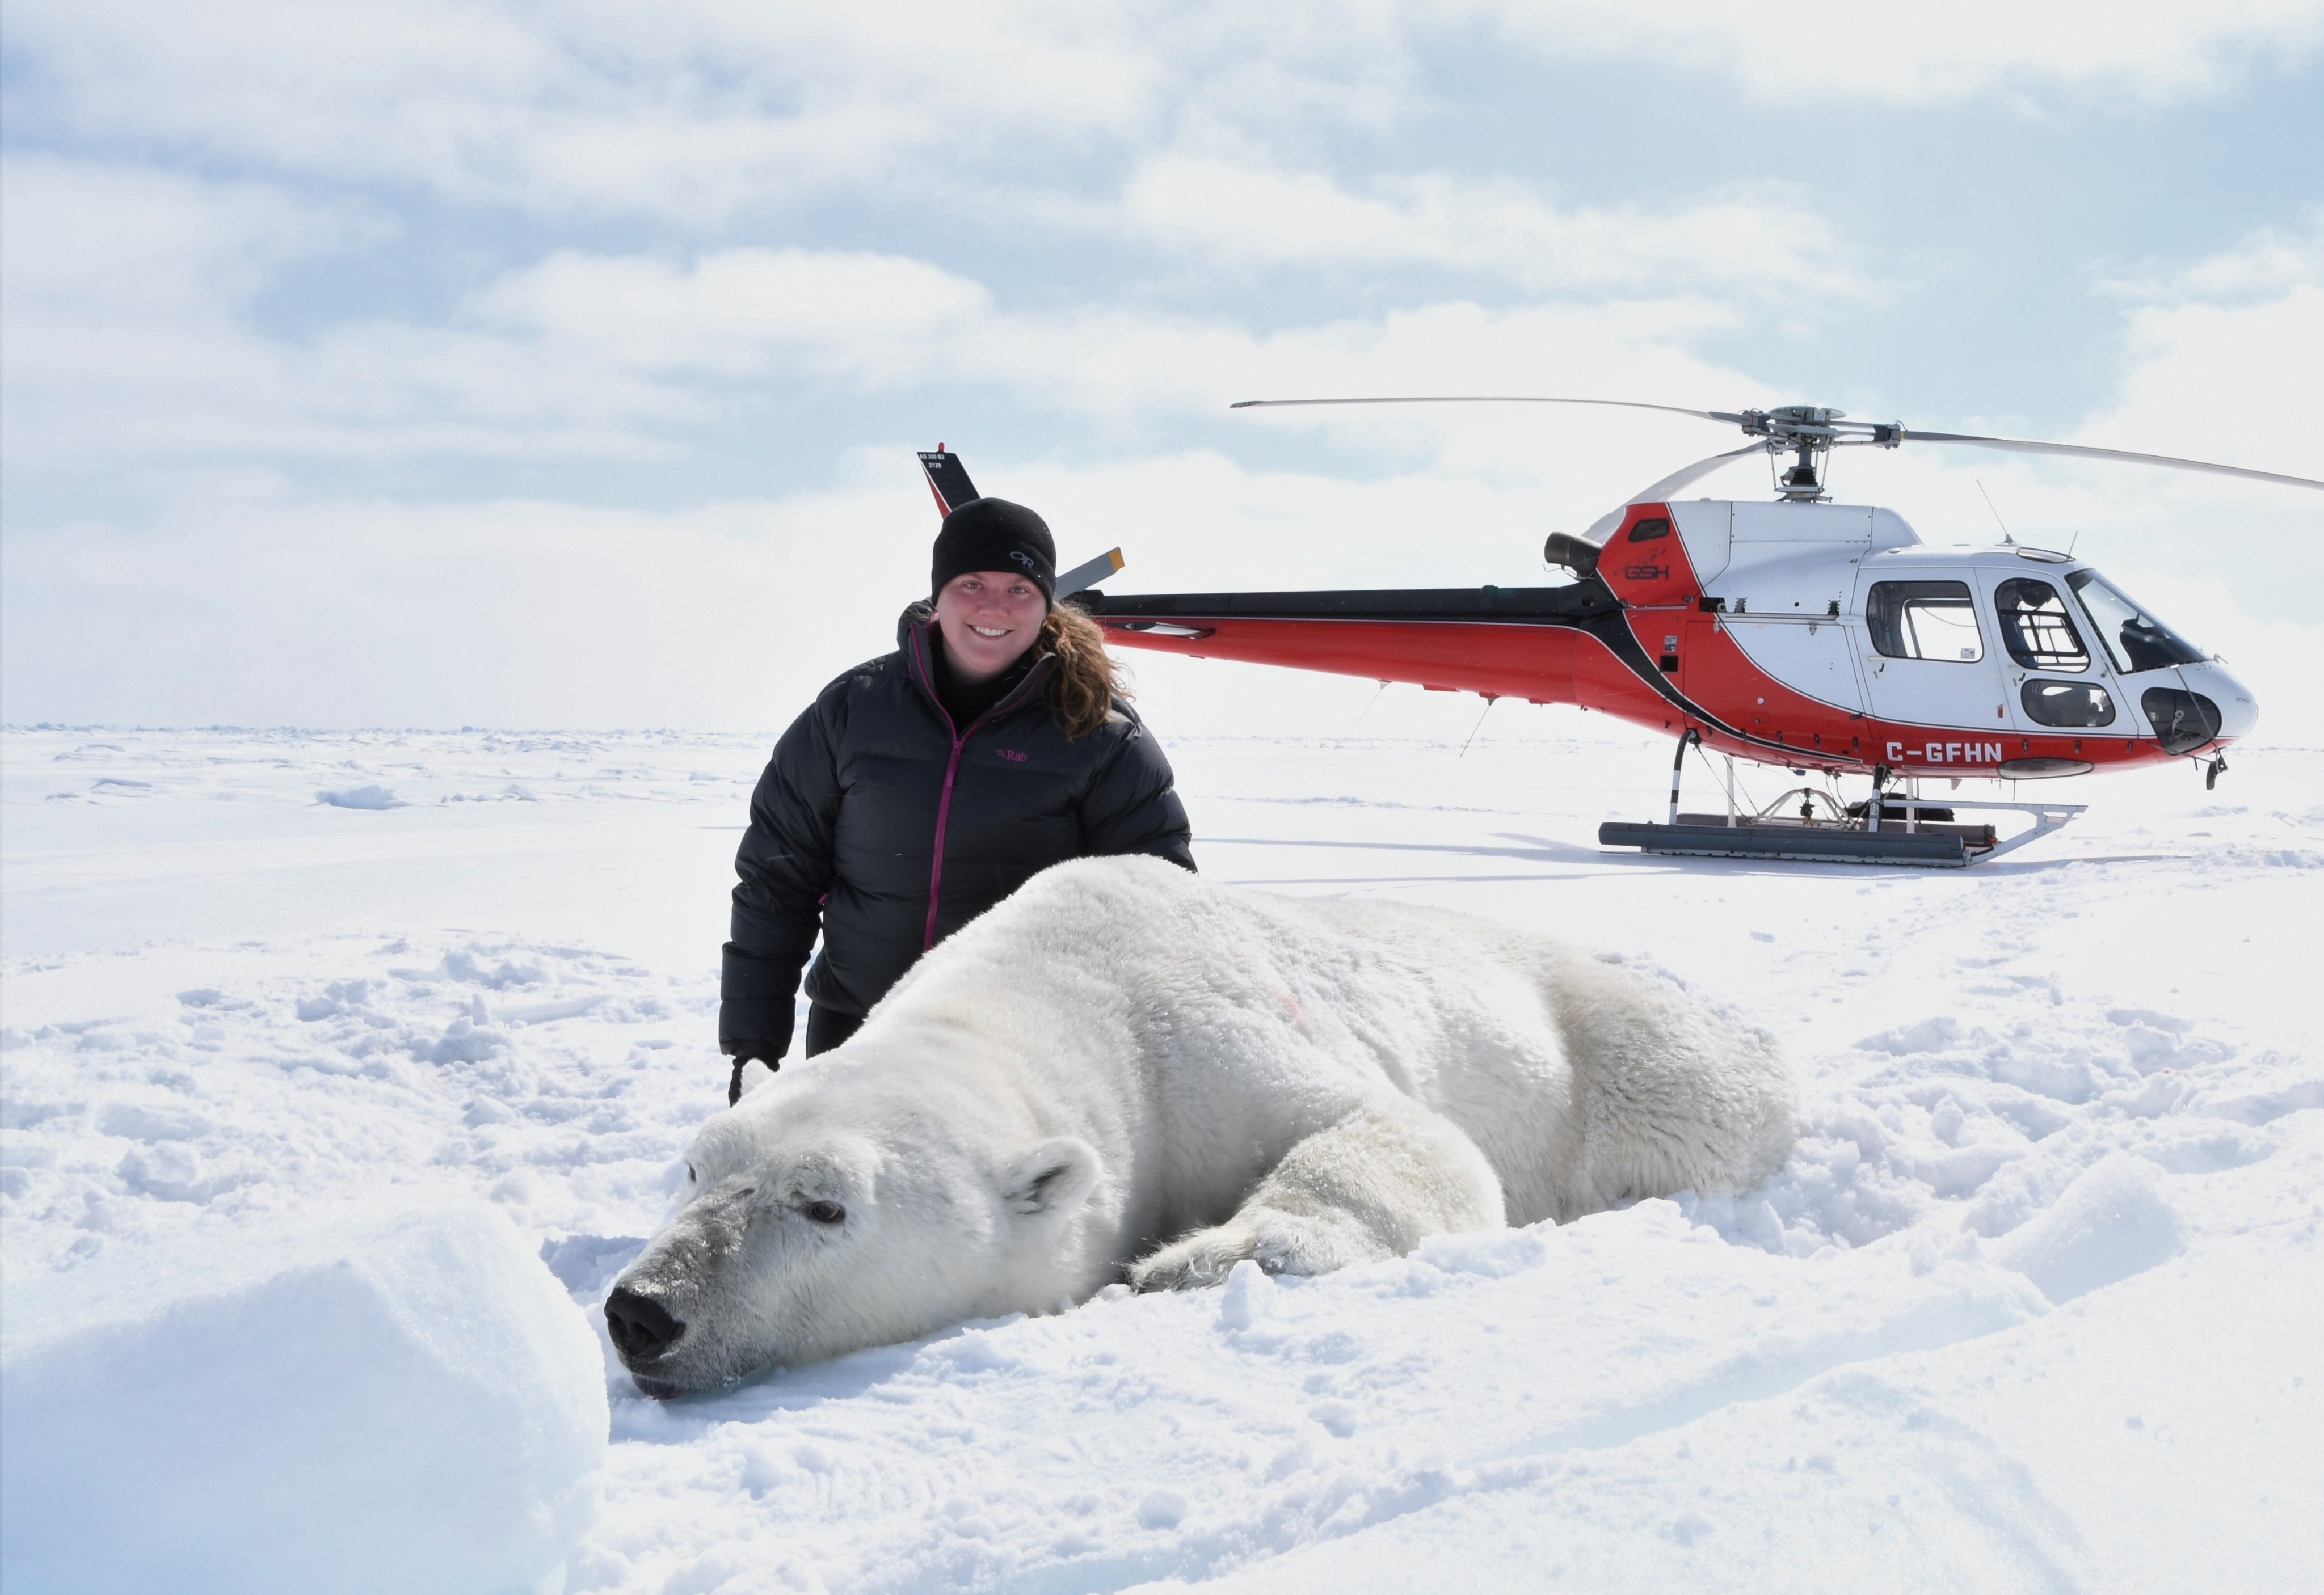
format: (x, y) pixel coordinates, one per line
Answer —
(1022, 557)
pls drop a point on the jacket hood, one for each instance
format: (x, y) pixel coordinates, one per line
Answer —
(919, 611)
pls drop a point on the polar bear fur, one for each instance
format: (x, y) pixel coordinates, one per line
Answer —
(1124, 1071)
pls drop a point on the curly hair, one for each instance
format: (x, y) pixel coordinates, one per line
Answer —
(1082, 689)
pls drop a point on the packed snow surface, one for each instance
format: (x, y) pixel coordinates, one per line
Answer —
(2035, 1304)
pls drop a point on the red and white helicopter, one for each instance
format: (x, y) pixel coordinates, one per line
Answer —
(1801, 633)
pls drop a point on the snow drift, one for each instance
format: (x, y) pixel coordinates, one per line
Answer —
(392, 1404)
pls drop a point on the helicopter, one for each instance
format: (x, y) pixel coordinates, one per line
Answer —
(1821, 638)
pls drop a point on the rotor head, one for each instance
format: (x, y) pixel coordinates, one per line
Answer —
(1807, 432)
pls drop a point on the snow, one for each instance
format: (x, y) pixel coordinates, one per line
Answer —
(275, 1407)
(374, 796)
(2035, 1303)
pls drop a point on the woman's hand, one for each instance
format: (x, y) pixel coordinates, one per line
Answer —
(747, 1054)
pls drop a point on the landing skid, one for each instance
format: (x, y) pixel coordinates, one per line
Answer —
(1866, 834)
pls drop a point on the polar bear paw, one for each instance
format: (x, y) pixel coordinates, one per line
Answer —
(1279, 1242)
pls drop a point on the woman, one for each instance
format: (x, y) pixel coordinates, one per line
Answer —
(923, 787)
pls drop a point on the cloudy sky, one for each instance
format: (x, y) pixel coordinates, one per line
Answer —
(444, 362)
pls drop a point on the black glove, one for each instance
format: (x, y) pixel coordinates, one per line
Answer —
(768, 1053)
(754, 1017)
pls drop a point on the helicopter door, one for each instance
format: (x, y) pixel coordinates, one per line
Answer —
(1929, 664)
(2057, 685)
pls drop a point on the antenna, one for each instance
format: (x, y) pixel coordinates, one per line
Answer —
(1997, 520)
(1491, 699)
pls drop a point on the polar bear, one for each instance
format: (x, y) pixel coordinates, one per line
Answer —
(1124, 1071)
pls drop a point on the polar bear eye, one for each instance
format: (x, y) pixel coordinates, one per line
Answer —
(825, 1213)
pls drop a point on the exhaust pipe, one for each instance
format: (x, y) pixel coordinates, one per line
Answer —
(1576, 554)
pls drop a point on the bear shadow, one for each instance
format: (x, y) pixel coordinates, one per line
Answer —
(772, 1391)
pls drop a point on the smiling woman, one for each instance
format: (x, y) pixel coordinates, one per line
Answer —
(922, 788)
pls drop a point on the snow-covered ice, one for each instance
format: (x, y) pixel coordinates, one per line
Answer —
(2035, 1304)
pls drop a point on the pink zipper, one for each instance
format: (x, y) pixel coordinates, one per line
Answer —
(952, 769)
(944, 813)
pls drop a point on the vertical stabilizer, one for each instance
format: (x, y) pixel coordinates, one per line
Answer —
(947, 479)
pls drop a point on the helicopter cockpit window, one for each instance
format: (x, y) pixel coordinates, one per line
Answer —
(2035, 626)
(1923, 621)
(2134, 640)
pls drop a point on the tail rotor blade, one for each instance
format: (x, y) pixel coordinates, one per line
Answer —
(1083, 577)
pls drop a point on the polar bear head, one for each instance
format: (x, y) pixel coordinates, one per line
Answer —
(843, 1206)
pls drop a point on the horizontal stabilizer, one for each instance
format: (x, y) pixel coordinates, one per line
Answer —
(947, 479)
(1089, 575)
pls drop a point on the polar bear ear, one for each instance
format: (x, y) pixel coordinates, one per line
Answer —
(1054, 1178)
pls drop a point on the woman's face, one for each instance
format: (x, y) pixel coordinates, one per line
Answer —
(989, 618)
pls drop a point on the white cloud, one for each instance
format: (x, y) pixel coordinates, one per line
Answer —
(130, 340)
(2270, 260)
(267, 608)
(1764, 243)
(697, 110)
(2221, 362)
(625, 355)
(2234, 383)
(2153, 51)
(710, 111)
(150, 245)
(856, 316)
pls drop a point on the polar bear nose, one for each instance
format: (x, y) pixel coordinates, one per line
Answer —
(642, 1327)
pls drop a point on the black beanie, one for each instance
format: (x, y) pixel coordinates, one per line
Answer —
(993, 534)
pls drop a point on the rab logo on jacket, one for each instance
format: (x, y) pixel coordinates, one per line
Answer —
(1012, 755)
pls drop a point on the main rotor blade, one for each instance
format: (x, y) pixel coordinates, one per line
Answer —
(2083, 451)
(2011, 445)
(1603, 527)
(1678, 479)
(1706, 414)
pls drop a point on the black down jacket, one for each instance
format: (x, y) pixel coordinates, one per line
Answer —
(884, 824)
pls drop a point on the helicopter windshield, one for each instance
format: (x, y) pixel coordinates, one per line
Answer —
(2134, 640)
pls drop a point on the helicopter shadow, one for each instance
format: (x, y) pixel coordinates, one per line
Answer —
(1540, 851)
(1685, 864)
